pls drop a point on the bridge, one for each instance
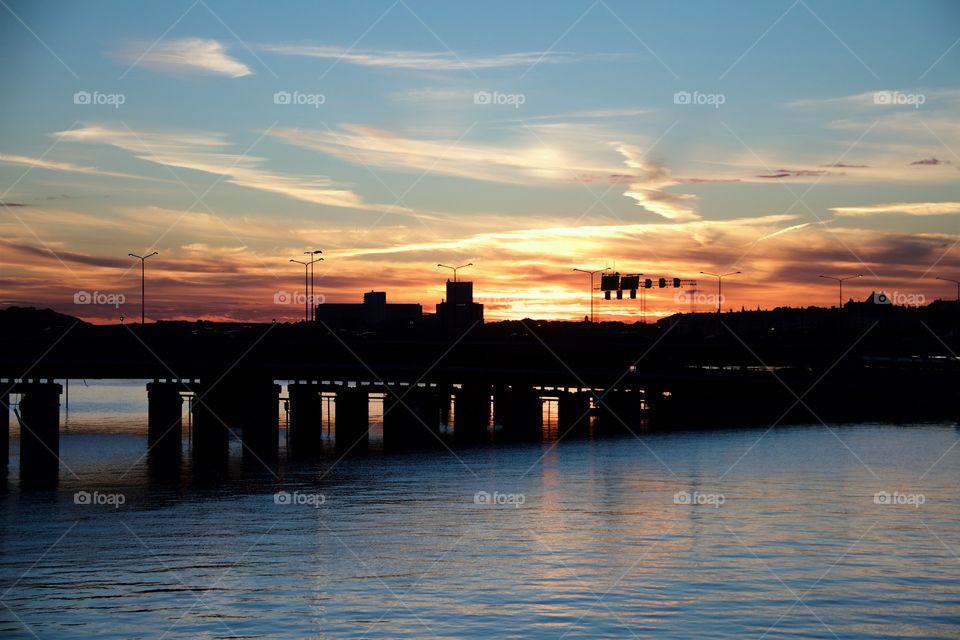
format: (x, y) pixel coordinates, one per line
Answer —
(601, 379)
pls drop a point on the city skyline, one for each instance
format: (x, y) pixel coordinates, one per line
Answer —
(787, 140)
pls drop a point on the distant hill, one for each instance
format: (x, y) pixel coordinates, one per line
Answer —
(23, 320)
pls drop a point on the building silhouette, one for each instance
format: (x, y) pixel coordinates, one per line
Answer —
(458, 311)
(372, 312)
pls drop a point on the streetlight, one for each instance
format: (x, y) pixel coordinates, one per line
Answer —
(956, 282)
(720, 277)
(143, 261)
(306, 286)
(313, 313)
(840, 281)
(469, 264)
(592, 273)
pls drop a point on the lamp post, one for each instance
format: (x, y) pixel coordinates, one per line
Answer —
(591, 274)
(143, 289)
(840, 282)
(455, 269)
(313, 313)
(720, 277)
(956, 282)
(306, 287)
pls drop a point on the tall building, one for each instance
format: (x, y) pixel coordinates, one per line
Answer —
(459, 311)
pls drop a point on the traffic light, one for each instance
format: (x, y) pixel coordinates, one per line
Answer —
(647, 283)
(676, 283)
(662, 282)
(619, 294)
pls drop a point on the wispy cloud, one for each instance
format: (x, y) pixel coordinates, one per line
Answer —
(183, 55)
(425, 60)
(53, 165)
(552, 156)
(881, 98)
(904, 208)
(209, 152)
(650, 190)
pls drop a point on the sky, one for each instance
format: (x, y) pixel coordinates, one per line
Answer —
(782, 139)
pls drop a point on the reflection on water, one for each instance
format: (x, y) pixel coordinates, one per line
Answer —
(803, 532)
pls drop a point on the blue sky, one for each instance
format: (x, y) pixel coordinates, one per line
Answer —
(807, 152)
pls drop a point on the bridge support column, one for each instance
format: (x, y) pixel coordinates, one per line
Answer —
(260, 420)
(621, 411)
(412, 421)
(4, 429)
(164, 418)
(306, 418)
(212, 421)
(352, 424)
(471, 412)
(40, 433)
(521, 412)
(573, 413)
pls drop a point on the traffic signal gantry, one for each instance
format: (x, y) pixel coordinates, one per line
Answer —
(614, 282)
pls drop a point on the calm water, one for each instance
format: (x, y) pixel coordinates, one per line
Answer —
(584, 539)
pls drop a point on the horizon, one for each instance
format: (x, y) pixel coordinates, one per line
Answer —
(784, 140)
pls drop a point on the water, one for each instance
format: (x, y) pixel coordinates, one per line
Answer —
(585, 539)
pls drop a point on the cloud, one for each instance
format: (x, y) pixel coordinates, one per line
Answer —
(52, 165)
(929, 161)
(649, 190)
(795, 173)
(13, 204)
(881, 98)
(553, 155)
(209, 152)
(904, 208)
(846, 166)
(424, 60)
(183, 55)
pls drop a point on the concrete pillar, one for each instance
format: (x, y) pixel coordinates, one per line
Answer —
(40, 433)
(521, 411)
(573, 413)
(4, 428)
(306, 418)
(164, 418)
(212, 418)
(471, 412)
(260, 421)
(411, 417)
(620, 411)
(352, 424)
